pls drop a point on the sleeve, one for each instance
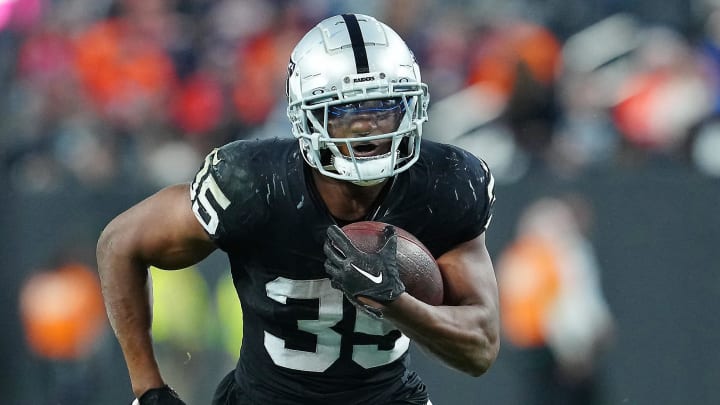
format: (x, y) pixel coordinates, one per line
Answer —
(463, 196)
(472, 190)
(223, 196)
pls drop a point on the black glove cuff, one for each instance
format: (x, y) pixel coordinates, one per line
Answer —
(159, 396)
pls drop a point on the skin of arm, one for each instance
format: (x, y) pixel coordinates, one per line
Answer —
(464, 332)
(159, 231)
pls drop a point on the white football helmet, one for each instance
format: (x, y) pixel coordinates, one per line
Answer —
(344, 62)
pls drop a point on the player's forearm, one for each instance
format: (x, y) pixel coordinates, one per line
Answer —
(464, 337)
(125, 287)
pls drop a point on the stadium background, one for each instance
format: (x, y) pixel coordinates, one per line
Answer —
(104, 102)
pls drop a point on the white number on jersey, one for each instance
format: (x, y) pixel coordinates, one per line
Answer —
(330, 313)
(203, 184)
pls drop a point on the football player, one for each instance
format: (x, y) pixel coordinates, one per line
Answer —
(315, 331)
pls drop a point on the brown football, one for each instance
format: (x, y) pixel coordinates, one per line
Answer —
(418, 269)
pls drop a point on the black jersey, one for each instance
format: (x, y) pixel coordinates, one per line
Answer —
(303, 342)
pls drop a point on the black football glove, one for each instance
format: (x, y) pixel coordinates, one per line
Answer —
(357, 273)
(160, 396)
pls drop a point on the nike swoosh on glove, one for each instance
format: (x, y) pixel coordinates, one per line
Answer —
(357, 273)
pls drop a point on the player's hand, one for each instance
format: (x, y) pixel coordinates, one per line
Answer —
(159, 396)
(357, 273)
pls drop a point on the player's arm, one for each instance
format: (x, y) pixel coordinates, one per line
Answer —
(161, 231)
(463, 333)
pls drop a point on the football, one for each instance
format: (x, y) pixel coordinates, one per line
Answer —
(417, 266)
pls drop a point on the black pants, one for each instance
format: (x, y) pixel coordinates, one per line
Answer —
(229, 393)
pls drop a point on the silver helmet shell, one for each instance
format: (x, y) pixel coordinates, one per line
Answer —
(352, 58)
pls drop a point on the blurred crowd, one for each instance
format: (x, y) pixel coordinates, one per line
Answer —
(552, 303)
(96, 92)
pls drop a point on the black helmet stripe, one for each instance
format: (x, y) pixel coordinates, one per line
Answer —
(358, 43)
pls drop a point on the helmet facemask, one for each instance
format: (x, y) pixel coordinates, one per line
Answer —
(342, 157)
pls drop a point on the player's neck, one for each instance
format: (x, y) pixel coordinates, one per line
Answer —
(347, 201)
